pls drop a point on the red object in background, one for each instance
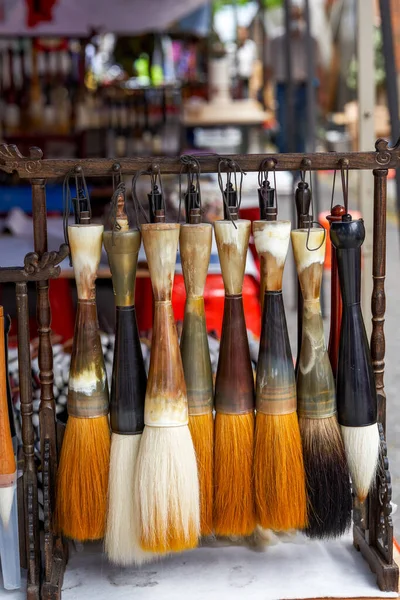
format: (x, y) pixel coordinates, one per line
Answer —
(39, 11)
(63, 314)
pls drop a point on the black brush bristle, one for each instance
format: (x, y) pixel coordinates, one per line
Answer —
(328, 480)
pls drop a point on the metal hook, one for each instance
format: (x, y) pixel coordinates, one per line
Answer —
(344, 173)
(308, 236)
(82, 194)
(193, 171)
(154, 173)
(231, 168)
(116, 175)
(267, 165)
(333, 189)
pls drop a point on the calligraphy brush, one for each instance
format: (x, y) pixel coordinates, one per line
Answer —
(81, 501)
(355, 382)
(128, 389)
(279, 477)
(195, 249)
(327, 476)
(9, 541)
(234, 509)
(166, 479)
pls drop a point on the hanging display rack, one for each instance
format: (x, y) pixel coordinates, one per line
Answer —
(372, 529)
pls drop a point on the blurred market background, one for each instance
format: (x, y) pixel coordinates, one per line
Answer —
(92, 78)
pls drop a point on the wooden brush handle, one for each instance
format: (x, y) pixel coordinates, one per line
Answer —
(195, 249)
(128, 388)
(122, 249)
(234, 385)
(7, 459)
(85, 245)
(161, 244)
(166, 397)
(275, 382)
(309, 263)
(7, 327)
(271, 239)
(355, 382)
(232, 244)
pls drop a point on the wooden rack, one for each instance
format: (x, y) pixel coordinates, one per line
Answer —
(372, 530)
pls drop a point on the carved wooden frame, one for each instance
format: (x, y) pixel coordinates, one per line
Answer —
(373, 528)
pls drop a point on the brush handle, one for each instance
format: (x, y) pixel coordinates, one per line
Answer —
(128, 387)
(275, 381)
(87, 387)
(355, 382)
(234, 384)
(85, 245)
(315, 383)
(160, 242)
(272, 239)
(9, 548)
(195, 249)
(196, 358)
(336, 298)
(122, 249)
(7, 458)
(232, 244)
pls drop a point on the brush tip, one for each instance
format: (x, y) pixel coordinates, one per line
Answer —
(6, 502)
(362, 451)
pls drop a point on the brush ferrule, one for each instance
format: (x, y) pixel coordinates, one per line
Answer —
(161, 244)
(315, 383)
(85, 245)
(275, 382)
(87, 387)
(272, 242)
(128, 388)
(309, 256)
(195, 249)
(122, 249)
(166, 397)
(234, 386)
(196, 358)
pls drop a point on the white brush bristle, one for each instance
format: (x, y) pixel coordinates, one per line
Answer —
(122, 539)
(362, 451)
(168, 488)
(6, 502)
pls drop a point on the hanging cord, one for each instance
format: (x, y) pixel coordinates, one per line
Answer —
(232, 167)
(193, 171)
(155, 176)
(119, 188)
(311, 222)
(344, 172)
(81, 192)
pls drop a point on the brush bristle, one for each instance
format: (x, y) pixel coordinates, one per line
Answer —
(279, 477)
(81, 502)
(167, 485)
(362, 451)
(202, 431)
(6, 502)
(122, 539)
(234, 510)
(328, 480)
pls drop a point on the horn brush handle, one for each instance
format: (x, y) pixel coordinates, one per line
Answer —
(356, 391)
(315, 383)
(275, 382)
(234, 386)
(87, 388)
(166, 397)
(128, 388)
(195, 250)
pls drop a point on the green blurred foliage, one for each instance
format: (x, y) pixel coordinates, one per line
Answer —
(380, 74)
(218, 4)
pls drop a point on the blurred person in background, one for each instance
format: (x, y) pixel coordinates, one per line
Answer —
(243, 57)
(276, 70)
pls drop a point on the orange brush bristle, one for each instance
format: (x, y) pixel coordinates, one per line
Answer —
(202, 431)
(83, 479)
(279, 476)
(233, 472)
